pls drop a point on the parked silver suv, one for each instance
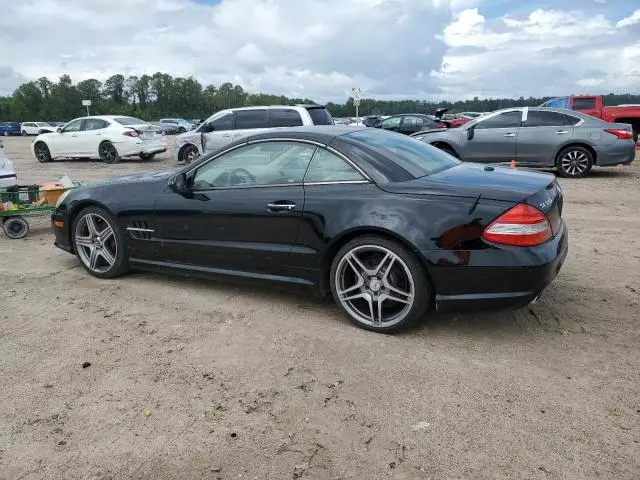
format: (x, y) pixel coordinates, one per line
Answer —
(232, 124)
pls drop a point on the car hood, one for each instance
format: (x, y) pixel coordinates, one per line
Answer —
(137, 178)
(429, 130)
(474, 180)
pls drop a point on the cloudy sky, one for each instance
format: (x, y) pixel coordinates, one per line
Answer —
(321, 48)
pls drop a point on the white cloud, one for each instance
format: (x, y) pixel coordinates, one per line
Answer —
(548, 52)
(315, 48)
(319, 49)
(633, 19)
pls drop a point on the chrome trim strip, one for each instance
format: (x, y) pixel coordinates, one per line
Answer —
(339, 182)
(132, 229)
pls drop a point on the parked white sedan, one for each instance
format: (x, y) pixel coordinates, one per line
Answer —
(8, 176)
(109, 138)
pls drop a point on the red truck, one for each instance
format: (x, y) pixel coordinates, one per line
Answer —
(593, 105)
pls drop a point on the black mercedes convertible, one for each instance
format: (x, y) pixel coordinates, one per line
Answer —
(390, 226)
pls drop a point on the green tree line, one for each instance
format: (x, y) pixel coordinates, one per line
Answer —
(162, 95)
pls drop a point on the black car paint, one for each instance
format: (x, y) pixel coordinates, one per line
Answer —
(439, 217)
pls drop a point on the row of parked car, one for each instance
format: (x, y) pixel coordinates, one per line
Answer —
(538, 137)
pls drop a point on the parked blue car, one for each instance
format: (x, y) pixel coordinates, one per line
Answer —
(9, 128)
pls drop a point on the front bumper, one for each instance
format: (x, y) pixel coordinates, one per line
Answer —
(496, 278)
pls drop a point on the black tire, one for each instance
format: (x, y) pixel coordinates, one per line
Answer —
(24, 133)
(190, 153)
(411, 313)
(15, 227)
(108, 153)
(448, 149)
(121, 263)
(42, 152)
(147, 156)
(574, 162)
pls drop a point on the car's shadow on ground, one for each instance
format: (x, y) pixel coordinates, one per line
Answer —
(503, 324)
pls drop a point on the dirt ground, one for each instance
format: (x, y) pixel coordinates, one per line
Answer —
(251, 383)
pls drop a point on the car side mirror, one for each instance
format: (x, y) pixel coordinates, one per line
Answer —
(471, 131)
(59, 129)
(179, 184)
(208, 127)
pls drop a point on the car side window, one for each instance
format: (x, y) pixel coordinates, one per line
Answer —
(584, 103)
(94, 124)
(247, 119)
(265, 163)
(223, 123)
(537, 118)
(409, 121)
(391, 122)
(284, 117)
(73, 126)
(328, 167)
(503, 120)
(571, 120)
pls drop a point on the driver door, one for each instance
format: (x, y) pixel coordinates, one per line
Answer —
(217, 133)
(65, 143)
(242, 214)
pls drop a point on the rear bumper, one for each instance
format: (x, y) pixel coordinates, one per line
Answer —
(133, 148)
(497, 278)
(620, 152)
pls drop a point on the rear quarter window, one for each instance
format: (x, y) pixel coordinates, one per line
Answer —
(284, 117)
(320, 116)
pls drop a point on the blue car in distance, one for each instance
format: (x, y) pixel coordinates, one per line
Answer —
(9, 128)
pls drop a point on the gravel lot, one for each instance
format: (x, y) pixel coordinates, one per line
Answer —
(248, 383)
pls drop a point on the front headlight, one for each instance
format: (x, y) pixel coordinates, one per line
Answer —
(61, 198)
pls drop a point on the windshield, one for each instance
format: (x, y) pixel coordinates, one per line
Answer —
(416, 157)
(320, 116)
(126, 121)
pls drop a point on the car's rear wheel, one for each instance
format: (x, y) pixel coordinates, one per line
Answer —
(24, 133)
(378, 284)
(147, 156)
(108, 153)
(42, 152)
(574, 162)
(190, 153)
(98, 243)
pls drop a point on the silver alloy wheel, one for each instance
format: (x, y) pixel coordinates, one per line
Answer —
(575, 162)
(96, 243)
(375, 286)
(108, 152)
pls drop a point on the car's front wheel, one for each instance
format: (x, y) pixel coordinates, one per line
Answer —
(379, 284)
(190, 153)
(108, 153)
(42, 152)
(98, 243)
(574, 162)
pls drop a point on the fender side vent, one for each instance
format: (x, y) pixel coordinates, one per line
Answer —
(140, 230)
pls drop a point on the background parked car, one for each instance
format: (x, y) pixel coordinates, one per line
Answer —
(56, 124)
(593, 105)
(9, 128)
(36, 128)
(408, 123)
(8, 176)
(167, 128)
(182, 124)
(232, 124)
(107, 137)
(538, 137)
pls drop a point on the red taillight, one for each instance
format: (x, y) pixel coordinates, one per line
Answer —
(621, 133)
(522, 226)
(130, 133)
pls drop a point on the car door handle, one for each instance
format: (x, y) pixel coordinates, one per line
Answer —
(226, 135)
(74, 135)
(509, 134)
(283, 206)
(561, 132)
